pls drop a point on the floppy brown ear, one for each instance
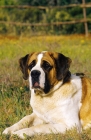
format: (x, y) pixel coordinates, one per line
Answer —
(62, 67)
(24, 66)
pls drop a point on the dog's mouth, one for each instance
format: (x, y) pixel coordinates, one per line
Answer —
(37, 88)
(36, 85)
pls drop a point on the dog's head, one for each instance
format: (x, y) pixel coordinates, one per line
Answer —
(45, 70)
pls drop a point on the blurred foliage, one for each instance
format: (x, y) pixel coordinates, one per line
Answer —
(48, 15)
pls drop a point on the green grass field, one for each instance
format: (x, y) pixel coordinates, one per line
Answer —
(14, 91)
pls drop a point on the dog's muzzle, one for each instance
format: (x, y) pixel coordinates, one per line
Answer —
(35, 74)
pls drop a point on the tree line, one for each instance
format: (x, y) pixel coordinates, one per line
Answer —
(48, 15)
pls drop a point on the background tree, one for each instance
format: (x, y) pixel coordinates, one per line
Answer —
(35, 15)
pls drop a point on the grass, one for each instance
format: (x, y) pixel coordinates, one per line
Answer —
(14, 91)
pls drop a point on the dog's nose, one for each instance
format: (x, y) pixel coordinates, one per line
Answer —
(35, 73)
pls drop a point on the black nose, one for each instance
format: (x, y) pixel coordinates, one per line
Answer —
(35, 73)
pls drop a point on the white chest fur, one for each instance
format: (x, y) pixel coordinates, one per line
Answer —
(62, 106)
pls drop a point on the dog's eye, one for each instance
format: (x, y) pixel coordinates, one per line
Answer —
(46, 66)
(32, 64)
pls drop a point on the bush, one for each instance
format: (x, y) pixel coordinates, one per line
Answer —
(35, 15)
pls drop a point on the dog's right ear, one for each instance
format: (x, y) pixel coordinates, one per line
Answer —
(23, 61)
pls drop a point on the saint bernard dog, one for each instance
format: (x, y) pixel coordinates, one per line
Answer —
(60, 100)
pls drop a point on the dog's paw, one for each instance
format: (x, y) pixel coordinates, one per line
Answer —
(19, 134)
(7, 131)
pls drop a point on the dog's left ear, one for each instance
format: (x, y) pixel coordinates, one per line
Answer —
(24, 66)
(62, 64)
(62, 67)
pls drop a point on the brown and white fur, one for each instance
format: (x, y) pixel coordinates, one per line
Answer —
(60, 100)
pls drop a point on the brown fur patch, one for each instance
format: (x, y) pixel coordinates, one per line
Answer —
(85, 111)
(49, 57)
(32, 57)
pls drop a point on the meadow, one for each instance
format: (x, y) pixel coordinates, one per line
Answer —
(14, 91)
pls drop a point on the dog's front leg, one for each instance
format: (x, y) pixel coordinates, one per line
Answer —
(23, 123)
(40, 129)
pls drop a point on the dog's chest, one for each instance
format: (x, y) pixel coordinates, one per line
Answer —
(55, 107)
(45, 107)
(42, 104)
